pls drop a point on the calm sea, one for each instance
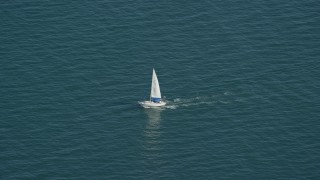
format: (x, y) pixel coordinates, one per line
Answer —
(241, 79)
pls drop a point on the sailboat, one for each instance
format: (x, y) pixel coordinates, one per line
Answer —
(155, 95)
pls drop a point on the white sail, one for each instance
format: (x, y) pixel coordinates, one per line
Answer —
(155, 88)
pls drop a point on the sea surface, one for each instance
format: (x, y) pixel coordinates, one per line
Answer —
(241, 78)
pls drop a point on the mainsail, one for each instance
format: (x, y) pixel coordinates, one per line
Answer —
(155, 95)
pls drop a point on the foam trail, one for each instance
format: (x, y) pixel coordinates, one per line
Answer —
(224, 98)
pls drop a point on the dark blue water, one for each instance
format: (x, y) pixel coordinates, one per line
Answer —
(241, 79)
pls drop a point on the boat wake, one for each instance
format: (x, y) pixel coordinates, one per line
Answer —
(224, 98)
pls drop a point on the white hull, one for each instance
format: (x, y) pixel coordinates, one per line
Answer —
(150, 104)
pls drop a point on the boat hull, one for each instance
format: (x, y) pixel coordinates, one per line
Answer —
(150, 104)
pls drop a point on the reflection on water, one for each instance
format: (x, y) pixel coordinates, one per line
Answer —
(152, 144)
(152, 132)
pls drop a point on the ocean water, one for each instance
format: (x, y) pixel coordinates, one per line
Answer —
(241, 79)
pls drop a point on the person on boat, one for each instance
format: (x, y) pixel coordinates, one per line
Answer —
(156, 100)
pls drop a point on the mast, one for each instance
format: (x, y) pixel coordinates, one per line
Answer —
(153, 72)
